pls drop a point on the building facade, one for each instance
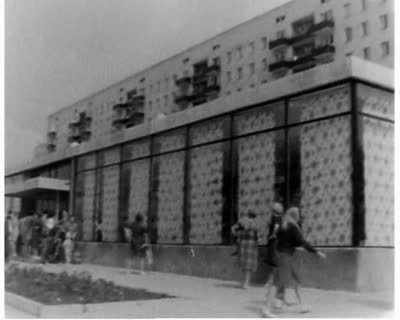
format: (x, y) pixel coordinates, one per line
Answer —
(277, 109)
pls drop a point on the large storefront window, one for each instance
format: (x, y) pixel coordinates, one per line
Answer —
(205, 196)
(378, 161)
(168, 196)
(84, 203)
(261, 177)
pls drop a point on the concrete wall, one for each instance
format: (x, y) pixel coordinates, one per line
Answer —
(352, 269)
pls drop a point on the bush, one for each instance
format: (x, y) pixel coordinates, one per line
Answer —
(64, 288)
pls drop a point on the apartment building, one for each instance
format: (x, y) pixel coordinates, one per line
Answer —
(290, 106)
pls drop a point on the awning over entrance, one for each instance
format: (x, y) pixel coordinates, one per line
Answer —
(37, 188)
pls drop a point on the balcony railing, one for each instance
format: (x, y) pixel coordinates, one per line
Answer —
(137, 99)
(279, 65)
(323, 26)
(324, 50)
(181, 99)
(301, 38)
(214, 68)
(185, 80)
(279, 43)
(303, 63)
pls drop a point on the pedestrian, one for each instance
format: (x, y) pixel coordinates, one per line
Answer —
(246, 232)
(139, 241)
(7, 237)
(286, 275)
(274, 225)
(13, 233)
(68, 245)
(36, 231)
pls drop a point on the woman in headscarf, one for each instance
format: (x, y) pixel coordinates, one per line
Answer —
(289, 237)
(246, 232)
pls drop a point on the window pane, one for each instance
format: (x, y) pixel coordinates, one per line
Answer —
(259, 118)
(322, 104)
(378, 141)
(320, 183)
(261, 177)
(169, 141)
(84, 203)
(109, 204)
(205, 194)
(209, 131)
(168, 197)
(136, 149)
(109, 156)
(87, 161)
(375, 101)
(135, 189)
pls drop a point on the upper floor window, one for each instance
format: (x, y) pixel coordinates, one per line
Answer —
(367, 53)
(251, 68)
(279, 55)
(349, 34)
(240, 73)
(279, 19)
(347, 9)
(280, 34)
(239, 52)
(229, 57)
(364, 4)
(327, 15)
(251, 48)
(166, 83)
(264, 42)
(228, 77)
(384, 21)
(364, 27)
(264, 64)
(325, 1)
(385, 47)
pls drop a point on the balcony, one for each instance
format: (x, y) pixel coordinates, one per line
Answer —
(279, 43)
(200, 78)
(279, 66)
(214, 68)
(51, 146)
(323, 27)
(185, 80)
(137, 100)
(324, 53)
(182, 99)
(212, 88)
(302, 38)
(303, 63)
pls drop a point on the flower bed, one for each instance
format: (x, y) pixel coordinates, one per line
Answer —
(64, 288)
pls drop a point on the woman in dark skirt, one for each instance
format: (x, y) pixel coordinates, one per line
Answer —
(246, 232)
(286, 275)
(139, 241)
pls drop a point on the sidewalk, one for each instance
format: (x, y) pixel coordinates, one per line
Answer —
(205, 298)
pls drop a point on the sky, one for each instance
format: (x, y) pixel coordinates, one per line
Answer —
(58, 52)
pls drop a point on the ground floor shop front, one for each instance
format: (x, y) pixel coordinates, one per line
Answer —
(327, 149)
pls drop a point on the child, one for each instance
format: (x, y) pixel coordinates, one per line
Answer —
(68, 247)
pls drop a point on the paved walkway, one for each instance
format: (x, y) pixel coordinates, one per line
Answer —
(205, 298)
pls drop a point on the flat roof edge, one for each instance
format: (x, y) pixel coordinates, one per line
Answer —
(352, 67)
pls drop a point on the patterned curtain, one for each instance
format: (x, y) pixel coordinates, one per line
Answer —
(205, 194)
(169, 197)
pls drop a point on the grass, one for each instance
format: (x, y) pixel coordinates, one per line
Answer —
(64, 288)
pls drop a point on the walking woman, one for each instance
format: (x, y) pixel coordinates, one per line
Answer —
(139, 241)
(286, 275)
(246, 232)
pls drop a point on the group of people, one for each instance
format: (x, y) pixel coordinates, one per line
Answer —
(43, 237)
(284, 237)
